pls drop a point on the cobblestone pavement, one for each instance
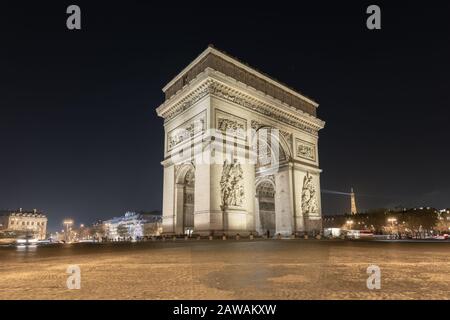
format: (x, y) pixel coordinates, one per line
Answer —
(259, 269)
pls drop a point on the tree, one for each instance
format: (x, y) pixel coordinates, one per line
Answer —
(377, 218)
(424, 219)
(429, 218)
(443, 224)
(84, 232)
(98, 230)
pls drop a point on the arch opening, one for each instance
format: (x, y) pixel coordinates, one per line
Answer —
(188, 202)
(265, 194)
(185, 182)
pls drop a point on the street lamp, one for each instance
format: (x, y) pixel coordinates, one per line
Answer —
(68, 223)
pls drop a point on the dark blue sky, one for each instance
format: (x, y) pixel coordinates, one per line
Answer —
(79, 135)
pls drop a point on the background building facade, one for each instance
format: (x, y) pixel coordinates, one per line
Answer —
(23, 222)
(133, 226)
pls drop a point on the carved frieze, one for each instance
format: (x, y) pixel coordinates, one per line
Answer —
(187, 130)
(221, 91)
(231, 125)
(189, 101)
(305, 150)
(259, 107)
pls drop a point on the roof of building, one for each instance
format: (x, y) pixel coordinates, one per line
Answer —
(230, 66)
(22, 213)
(130, 215)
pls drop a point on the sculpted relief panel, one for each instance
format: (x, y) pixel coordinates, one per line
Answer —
(232, 184)
(187, 130)
(231, 125)
(305, 150)
(309, 196)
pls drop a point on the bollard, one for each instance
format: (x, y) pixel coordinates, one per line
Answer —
(224, 237)
(185, 238)
(306, 237)
(174, 238)
(210, 237)
(237, 236)
(251, 237)
(198, 237)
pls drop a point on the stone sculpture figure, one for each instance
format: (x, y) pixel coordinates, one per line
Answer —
(231, 184)
(309, 197)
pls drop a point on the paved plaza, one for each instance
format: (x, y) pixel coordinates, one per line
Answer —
(259, 269)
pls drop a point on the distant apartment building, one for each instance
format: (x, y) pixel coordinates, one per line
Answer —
(133, 226)
(22, 222)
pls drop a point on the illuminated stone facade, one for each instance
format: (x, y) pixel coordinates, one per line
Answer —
(24, 222)
(222, 121)
(135, 226)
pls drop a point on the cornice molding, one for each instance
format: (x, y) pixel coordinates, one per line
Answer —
(207, 85)
(174, 106)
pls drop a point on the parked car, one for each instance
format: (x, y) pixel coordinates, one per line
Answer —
(27, 241)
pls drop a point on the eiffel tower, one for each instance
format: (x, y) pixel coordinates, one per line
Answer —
(352, 202)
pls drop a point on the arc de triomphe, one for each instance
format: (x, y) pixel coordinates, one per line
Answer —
(241, 152)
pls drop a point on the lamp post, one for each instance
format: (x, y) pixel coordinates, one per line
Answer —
(82, 234)
(68, 223)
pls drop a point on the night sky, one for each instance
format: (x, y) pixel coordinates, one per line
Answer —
(79, 135)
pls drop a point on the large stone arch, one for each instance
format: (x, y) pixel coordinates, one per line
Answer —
(265, 210)
(182, 170)
(280, 177)
(184, 198)
(283, 148)
(218, 93)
